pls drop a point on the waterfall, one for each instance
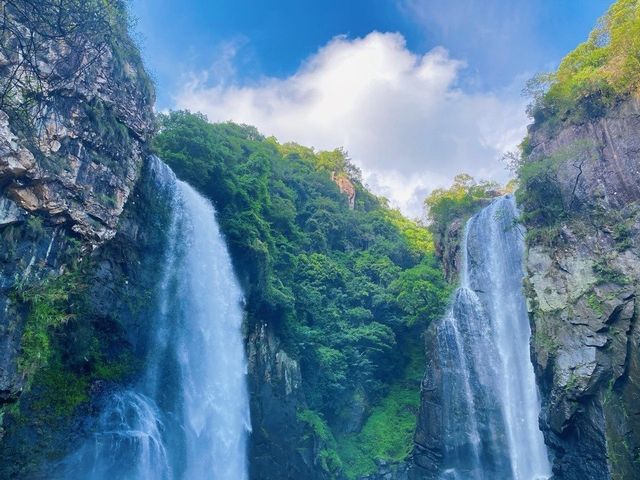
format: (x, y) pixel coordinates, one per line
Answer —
(188, 417)
(491, 404)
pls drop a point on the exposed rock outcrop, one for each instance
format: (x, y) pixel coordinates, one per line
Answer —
(279, 448)
(73, 154)
(387, 471)
(346, 187)
(75, 113)
(448, 249)
(582, 286)
(428, 440)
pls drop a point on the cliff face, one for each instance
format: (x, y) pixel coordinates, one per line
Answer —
(582, 286)
(77, 108)
(75, 112)
(278, 449)
(100, 347)
(346, 187)
(448, 249)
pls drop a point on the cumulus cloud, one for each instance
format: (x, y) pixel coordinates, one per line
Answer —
(400, 115)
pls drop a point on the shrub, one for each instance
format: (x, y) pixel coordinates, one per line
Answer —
(459, 201)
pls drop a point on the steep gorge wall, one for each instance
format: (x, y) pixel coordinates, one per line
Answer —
(278, 446)
(582, 284)
(75, 113)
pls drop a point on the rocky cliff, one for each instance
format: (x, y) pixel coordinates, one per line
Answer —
(278, 448)
(582, 284)
(580, 199)
(75, 112)
(77, 108)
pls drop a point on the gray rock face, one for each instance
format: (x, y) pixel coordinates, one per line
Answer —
(74, 154)
(120, 276)
(386, 471)
(428, 440)
(582, 297)
(278, 449)
(600, 158)
(448, 249)
(75, 113)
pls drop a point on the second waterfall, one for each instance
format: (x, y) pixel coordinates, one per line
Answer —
(188, 416)
(490, 404)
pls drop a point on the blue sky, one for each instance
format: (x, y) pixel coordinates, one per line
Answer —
(446, 73)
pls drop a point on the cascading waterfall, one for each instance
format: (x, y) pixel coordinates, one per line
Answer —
(189, 416)
(491, 403)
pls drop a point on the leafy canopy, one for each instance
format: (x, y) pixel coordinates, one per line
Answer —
(460, 200)
(598, 72)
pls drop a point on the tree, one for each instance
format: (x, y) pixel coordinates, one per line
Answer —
(458, 201)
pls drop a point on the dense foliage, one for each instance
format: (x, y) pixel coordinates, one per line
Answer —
(347, 289)
(459, 201)
(601, 70)
(389, 429)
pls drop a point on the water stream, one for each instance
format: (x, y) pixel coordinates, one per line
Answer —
(188, 418)
(491, 403)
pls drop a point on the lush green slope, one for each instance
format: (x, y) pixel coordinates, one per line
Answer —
(596, 74)
(349, 290)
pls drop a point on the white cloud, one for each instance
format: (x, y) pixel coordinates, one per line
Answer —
(399, 115)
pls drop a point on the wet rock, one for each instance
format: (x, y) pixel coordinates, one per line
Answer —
(582, 299)
(64, 178)
(10, 212)
(278, 448)
(448, 249)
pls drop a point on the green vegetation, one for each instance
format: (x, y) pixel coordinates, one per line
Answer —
(49, 308)
(572, 382)
(388, 431)
(590, 80)
(63, 348)
(622, 237)
(546, 341)
(328, 457)
(346, 289)
(459, 201)
(545, 206)
(595, 304)
(605, 273)
(34, 226)
(596, 74)
(112, 133)
(622, 447)
(539, 194)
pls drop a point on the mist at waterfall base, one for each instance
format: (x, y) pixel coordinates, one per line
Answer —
(188, 417)
(491, 404)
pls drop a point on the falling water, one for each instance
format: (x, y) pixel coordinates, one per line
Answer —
(188, 418)
(491, 403)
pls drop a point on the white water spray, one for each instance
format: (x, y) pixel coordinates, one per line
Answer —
(189, 416)
(491, 400)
